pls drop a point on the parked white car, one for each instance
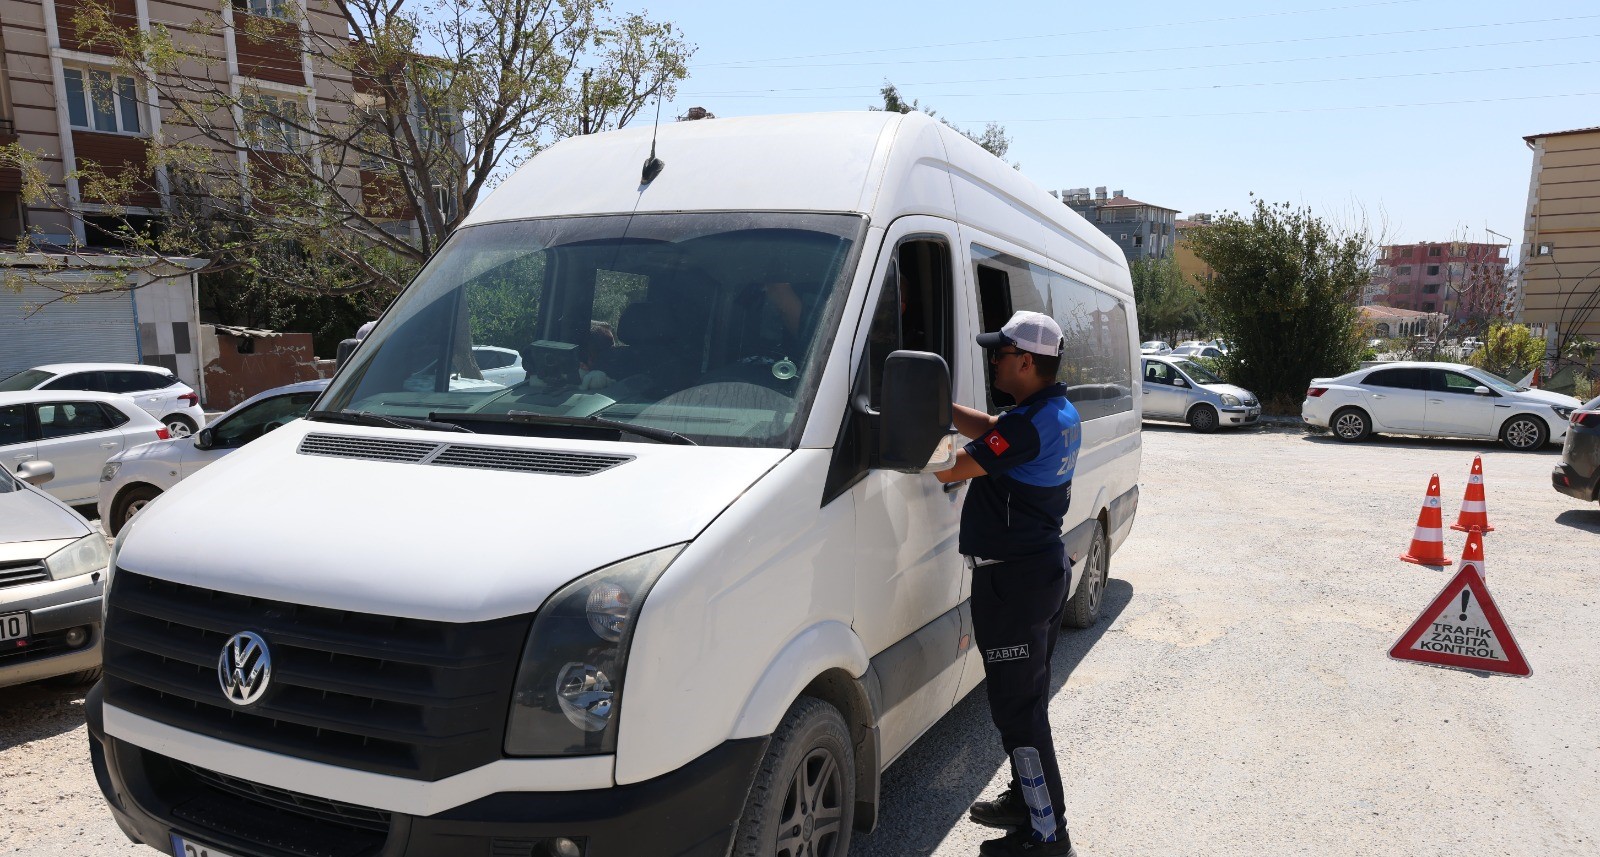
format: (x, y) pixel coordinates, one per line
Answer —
(52, 570)
(1154, 346)
(74, 430)
(155, 389)
(503, 366)
(1183, 390)
(134, 477)
(1437, 399)
(1200, 350)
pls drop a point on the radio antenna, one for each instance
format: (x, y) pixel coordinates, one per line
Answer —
(654, 165)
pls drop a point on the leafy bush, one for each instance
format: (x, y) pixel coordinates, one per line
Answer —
(1509, 350)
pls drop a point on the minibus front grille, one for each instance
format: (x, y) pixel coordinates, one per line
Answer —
(404, 697)
(543, 461)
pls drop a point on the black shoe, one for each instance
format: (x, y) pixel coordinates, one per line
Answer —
(1007, 810)
(1022, 844)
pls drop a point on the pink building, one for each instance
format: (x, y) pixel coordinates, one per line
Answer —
(1462, 280)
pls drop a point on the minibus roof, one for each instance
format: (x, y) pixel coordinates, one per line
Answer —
(881, 164)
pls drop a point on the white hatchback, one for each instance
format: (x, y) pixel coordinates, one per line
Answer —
(74, 430)
(154, 388)
(1438, 399)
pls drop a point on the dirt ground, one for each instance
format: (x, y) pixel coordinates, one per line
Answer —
(1237, 698)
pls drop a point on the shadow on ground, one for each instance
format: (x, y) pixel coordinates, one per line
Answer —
(1581, 519)
(928, 790)
(32, 712)
(1441, 443)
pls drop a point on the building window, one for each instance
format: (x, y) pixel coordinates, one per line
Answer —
(1427, 307)
(1138, 240)
(268, 8)
(269, 122)
(1431, 289)
(100, 100)
(1404, 270)
(1406, 251)
(1404, 289)
(1433, 270)
(1435, 251)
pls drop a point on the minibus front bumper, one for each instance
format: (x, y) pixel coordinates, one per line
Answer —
(691, 812)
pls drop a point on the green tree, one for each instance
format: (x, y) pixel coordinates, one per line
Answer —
(1509, 350)
(1584, 350)
(1166, 304)
(1284, 293)
(993, 138)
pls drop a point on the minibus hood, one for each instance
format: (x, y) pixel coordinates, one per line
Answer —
(426, 541)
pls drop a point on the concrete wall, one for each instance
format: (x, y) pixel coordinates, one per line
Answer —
(1563, 213)
(238, 367)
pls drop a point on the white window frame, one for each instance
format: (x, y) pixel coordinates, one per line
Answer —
(255, 132)
(279, 9)
(121, 107)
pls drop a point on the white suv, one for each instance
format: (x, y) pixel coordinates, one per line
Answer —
(154, 388)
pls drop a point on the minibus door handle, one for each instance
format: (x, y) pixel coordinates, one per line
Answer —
(953, 487)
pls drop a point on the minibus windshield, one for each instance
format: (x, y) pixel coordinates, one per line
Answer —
(712, 326)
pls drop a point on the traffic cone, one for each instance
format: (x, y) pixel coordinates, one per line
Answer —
(1474, 517)
(1472, 555)
(1427, 543)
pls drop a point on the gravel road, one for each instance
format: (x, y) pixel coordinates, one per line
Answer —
(1237, 698)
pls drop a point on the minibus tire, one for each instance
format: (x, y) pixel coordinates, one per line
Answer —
(1082, 610)
(813, 734)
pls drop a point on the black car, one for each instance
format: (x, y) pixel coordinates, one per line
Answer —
(1578, 474)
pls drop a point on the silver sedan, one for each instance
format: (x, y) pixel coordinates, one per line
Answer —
(1183, 390)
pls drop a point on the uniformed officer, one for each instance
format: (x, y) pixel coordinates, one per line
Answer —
(1021, 466)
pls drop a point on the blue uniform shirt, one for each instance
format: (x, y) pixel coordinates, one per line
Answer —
(1016, 511)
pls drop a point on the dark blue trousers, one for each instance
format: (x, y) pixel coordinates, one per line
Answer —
(1016, 617)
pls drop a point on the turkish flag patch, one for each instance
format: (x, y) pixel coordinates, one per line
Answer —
(995, 442)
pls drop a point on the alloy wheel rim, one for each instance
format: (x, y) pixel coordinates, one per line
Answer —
(1522, 434)
(1349, 425)
(133, 509)
(812, 815)
(1204, 418)
(178, 429)
(1097, 565)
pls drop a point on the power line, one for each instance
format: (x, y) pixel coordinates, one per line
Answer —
(1125, 72)
(1282, 111)
(1065, 35)
(1200, 87)
(1125, 51)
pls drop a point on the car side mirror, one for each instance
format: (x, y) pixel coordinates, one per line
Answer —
(1482, 390)
(36, 473)
(916, 431)
(205, 439)
(347, 347)
(1179, 382)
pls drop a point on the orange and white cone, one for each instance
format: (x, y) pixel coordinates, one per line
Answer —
(1474, 517)
(1427, 543)
(1472, 556)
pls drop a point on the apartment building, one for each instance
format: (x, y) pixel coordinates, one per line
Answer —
(1459, 279)
(1143, 230)
(64, 98)
(1559, 292)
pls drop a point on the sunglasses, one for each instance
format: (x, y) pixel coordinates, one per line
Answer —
(994, 356)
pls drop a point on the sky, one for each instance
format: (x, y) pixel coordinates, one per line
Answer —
(1408, 113)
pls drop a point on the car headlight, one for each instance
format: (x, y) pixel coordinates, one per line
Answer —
(81, 557)
(1562, 412)
(109, 472)
(569, 685)
(1230, 399)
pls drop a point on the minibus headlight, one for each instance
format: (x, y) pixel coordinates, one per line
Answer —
(81, 557)
(569, 685)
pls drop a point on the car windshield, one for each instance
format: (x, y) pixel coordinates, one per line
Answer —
(1498, 382)
(25, 380)
(1197, 373)
(711, 326)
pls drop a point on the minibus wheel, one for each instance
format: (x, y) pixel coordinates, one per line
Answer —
(802, 803)
(1083, 608)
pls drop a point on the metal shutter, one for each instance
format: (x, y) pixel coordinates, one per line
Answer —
(92, 329)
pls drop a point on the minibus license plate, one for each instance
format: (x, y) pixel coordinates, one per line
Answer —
(185, 848)
(13, 626)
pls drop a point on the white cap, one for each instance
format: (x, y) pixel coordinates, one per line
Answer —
(1033, 332)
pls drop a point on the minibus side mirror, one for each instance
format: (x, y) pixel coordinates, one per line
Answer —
(205, 439)
(347, 347)
(916, 432)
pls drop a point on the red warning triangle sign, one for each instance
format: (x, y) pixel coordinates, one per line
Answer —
(1462, 628)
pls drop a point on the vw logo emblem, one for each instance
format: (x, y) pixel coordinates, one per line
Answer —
(245, 668)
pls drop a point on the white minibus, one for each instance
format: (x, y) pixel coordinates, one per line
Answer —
(683, 586)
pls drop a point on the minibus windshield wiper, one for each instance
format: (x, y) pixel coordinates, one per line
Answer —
(651, 432)
(368, 418)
